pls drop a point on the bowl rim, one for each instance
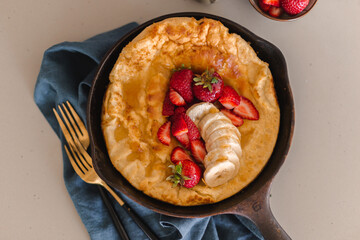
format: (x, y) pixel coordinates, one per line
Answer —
(199, 210)
(290, 19)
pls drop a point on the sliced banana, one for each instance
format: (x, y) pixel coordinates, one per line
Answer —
(221, 168)
(222, 132)
(222, 142)
(197, 111)
(225, 141)
(211, 118)
(224, 153)
(213, 127)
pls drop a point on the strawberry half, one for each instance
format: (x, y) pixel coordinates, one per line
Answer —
(178, 154)
(229, 98)
(198, 150)
(264, 6)
(235, 119)
(181, 82)
(176, 98)
(163, 133)
(246, 109)
(193, 132)
(184, 140)
(186, 173)
(178, 126)
(275, 11)
(168, 106)
(275, 3)
(294, 7)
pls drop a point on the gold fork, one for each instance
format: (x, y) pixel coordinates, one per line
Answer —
(77, 138)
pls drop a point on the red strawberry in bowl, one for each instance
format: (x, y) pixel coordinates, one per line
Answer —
(208, 86)
(275, 3)
(181, 82)
(294, 7)
(186, 173)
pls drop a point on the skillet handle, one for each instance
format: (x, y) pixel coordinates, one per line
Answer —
(257, 209)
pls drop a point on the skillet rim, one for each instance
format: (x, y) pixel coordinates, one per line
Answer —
(273, 165)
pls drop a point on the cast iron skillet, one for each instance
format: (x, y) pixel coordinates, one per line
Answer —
(253, 201)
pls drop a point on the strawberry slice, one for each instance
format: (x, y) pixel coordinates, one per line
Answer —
(275, 3)
(198, 150)
(178, 126)
(275, 11)
(168, 106)
(180, 110)
(230, 98)
(246, 109)
(235, 119)
(264, 6)
(163, 133)
(184, 140)
(193, 132)
(175, 98)
(178, 154)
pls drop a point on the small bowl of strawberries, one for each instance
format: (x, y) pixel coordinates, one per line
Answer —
(283, 10)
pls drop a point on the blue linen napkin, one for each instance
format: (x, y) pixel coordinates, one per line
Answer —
(66, 73)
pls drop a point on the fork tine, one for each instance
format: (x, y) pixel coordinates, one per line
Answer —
(73, 141)
(73, 124)
(78, 120)
(68, 125)
(79, 171)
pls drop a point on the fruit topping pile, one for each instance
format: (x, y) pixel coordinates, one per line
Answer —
(276, 7)
(186, 89)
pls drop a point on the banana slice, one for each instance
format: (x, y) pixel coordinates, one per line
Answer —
(210, 118)
(220, 167)
(222, 132)
(214, 127)
(197, 111)
(225, 141)
(223, 153)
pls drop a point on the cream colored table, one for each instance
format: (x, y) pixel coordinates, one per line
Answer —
(316, 194)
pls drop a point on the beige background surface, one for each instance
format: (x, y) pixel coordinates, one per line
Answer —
(316, 194)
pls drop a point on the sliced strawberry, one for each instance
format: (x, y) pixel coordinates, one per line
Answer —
(184, 140)
(198, 150)
(168, 106)
(178, 126)
(294, 7)
(235, 119)
(193, 132)
(246, 109)
(180, 110)
(178, 154)
(275, 11)
(275, 3)
(163, 133)
(264, 6)
(175, 98)
(181, 81)
(229, 98)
